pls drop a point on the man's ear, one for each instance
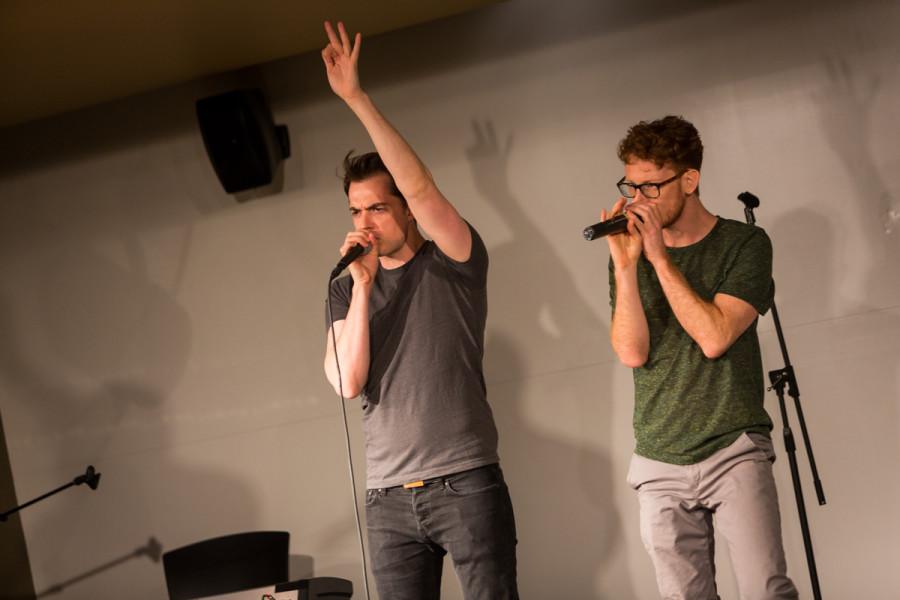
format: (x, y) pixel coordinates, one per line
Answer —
(690, 181)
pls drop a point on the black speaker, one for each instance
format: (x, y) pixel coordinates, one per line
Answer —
(243, 143)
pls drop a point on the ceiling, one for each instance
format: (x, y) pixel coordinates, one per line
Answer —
(64, 55)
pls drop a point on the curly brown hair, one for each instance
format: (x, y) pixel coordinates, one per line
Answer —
(670, 140)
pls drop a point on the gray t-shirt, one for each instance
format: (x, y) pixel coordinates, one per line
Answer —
(425, 411)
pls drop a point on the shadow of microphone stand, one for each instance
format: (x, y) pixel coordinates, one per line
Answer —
(152, 549)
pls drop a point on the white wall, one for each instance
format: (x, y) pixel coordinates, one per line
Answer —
(155, 328)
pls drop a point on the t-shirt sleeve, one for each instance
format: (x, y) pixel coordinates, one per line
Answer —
(749, 276)
(339, 292)
(475, 269)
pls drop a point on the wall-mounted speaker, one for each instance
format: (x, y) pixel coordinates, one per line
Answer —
(242, 141)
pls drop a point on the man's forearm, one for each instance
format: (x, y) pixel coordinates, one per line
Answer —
(352, 348)
(432, 211)
(629, 333)
(409, 173)
(703, 321)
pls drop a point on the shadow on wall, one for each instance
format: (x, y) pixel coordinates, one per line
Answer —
(465, 40)
(495, 31)
(561, 488)
(90, 352)
(847, 372)
(859, 115)
(803, 243)
(857, 118)
(152, 550)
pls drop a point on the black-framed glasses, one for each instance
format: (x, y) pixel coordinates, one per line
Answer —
(648, 190)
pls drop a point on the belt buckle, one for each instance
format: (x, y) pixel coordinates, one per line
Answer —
(413, 484)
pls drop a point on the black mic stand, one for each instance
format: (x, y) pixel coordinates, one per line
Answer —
(780, 378)
(90, 477)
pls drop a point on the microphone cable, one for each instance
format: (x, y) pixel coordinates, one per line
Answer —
(337, 363)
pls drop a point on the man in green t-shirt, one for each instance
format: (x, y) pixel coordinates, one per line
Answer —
(686, 289)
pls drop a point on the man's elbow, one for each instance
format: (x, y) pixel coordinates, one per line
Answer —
(714, 349)
(712, 353)
(349, 390)
(633, 360)
(631, 353)
(716, 342)
(418, 189)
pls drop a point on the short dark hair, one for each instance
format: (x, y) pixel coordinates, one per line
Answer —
(672, 140)
(363, 166)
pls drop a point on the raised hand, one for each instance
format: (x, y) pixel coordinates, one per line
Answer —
(341, 57)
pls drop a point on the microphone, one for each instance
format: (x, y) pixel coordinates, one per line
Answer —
(613, 225)
(353, 253)
(750, 202)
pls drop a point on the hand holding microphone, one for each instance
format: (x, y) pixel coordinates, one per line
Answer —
(624, 249)
(611, 226)
(357, 244)
(618, 223)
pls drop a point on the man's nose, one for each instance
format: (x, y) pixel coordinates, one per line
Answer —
(365, 220)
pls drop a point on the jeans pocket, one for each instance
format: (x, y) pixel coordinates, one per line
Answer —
(634, 477)
(763, 444)
(476, 481)
(371, 498)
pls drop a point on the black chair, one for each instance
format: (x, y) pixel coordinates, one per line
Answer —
(227, 564)
(319, 588)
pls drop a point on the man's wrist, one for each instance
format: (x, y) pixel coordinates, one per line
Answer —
(355, 100)
(361, 289)
(626, 277)
(660, 261)
(626, 267)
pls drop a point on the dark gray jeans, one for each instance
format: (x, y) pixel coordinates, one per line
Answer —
(467, 514)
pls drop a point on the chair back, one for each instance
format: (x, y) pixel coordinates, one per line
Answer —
(227, 564)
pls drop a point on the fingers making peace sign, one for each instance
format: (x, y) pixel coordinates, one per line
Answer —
(341, 58)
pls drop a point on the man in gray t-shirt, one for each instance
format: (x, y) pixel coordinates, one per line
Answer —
(408, 333)
(424, 408)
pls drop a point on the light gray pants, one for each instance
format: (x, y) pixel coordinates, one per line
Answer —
(678, 503)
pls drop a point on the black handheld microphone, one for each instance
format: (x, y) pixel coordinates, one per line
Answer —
(353, 253)
(616, 224)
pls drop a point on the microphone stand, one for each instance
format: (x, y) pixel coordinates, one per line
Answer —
(779, 378)
(90, 477)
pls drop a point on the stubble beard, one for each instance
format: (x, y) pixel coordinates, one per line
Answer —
(396, 247)
(677, 212)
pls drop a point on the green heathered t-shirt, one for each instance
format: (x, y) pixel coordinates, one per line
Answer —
(688, 406)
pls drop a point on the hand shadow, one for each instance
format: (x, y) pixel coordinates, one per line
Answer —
(544, 340)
